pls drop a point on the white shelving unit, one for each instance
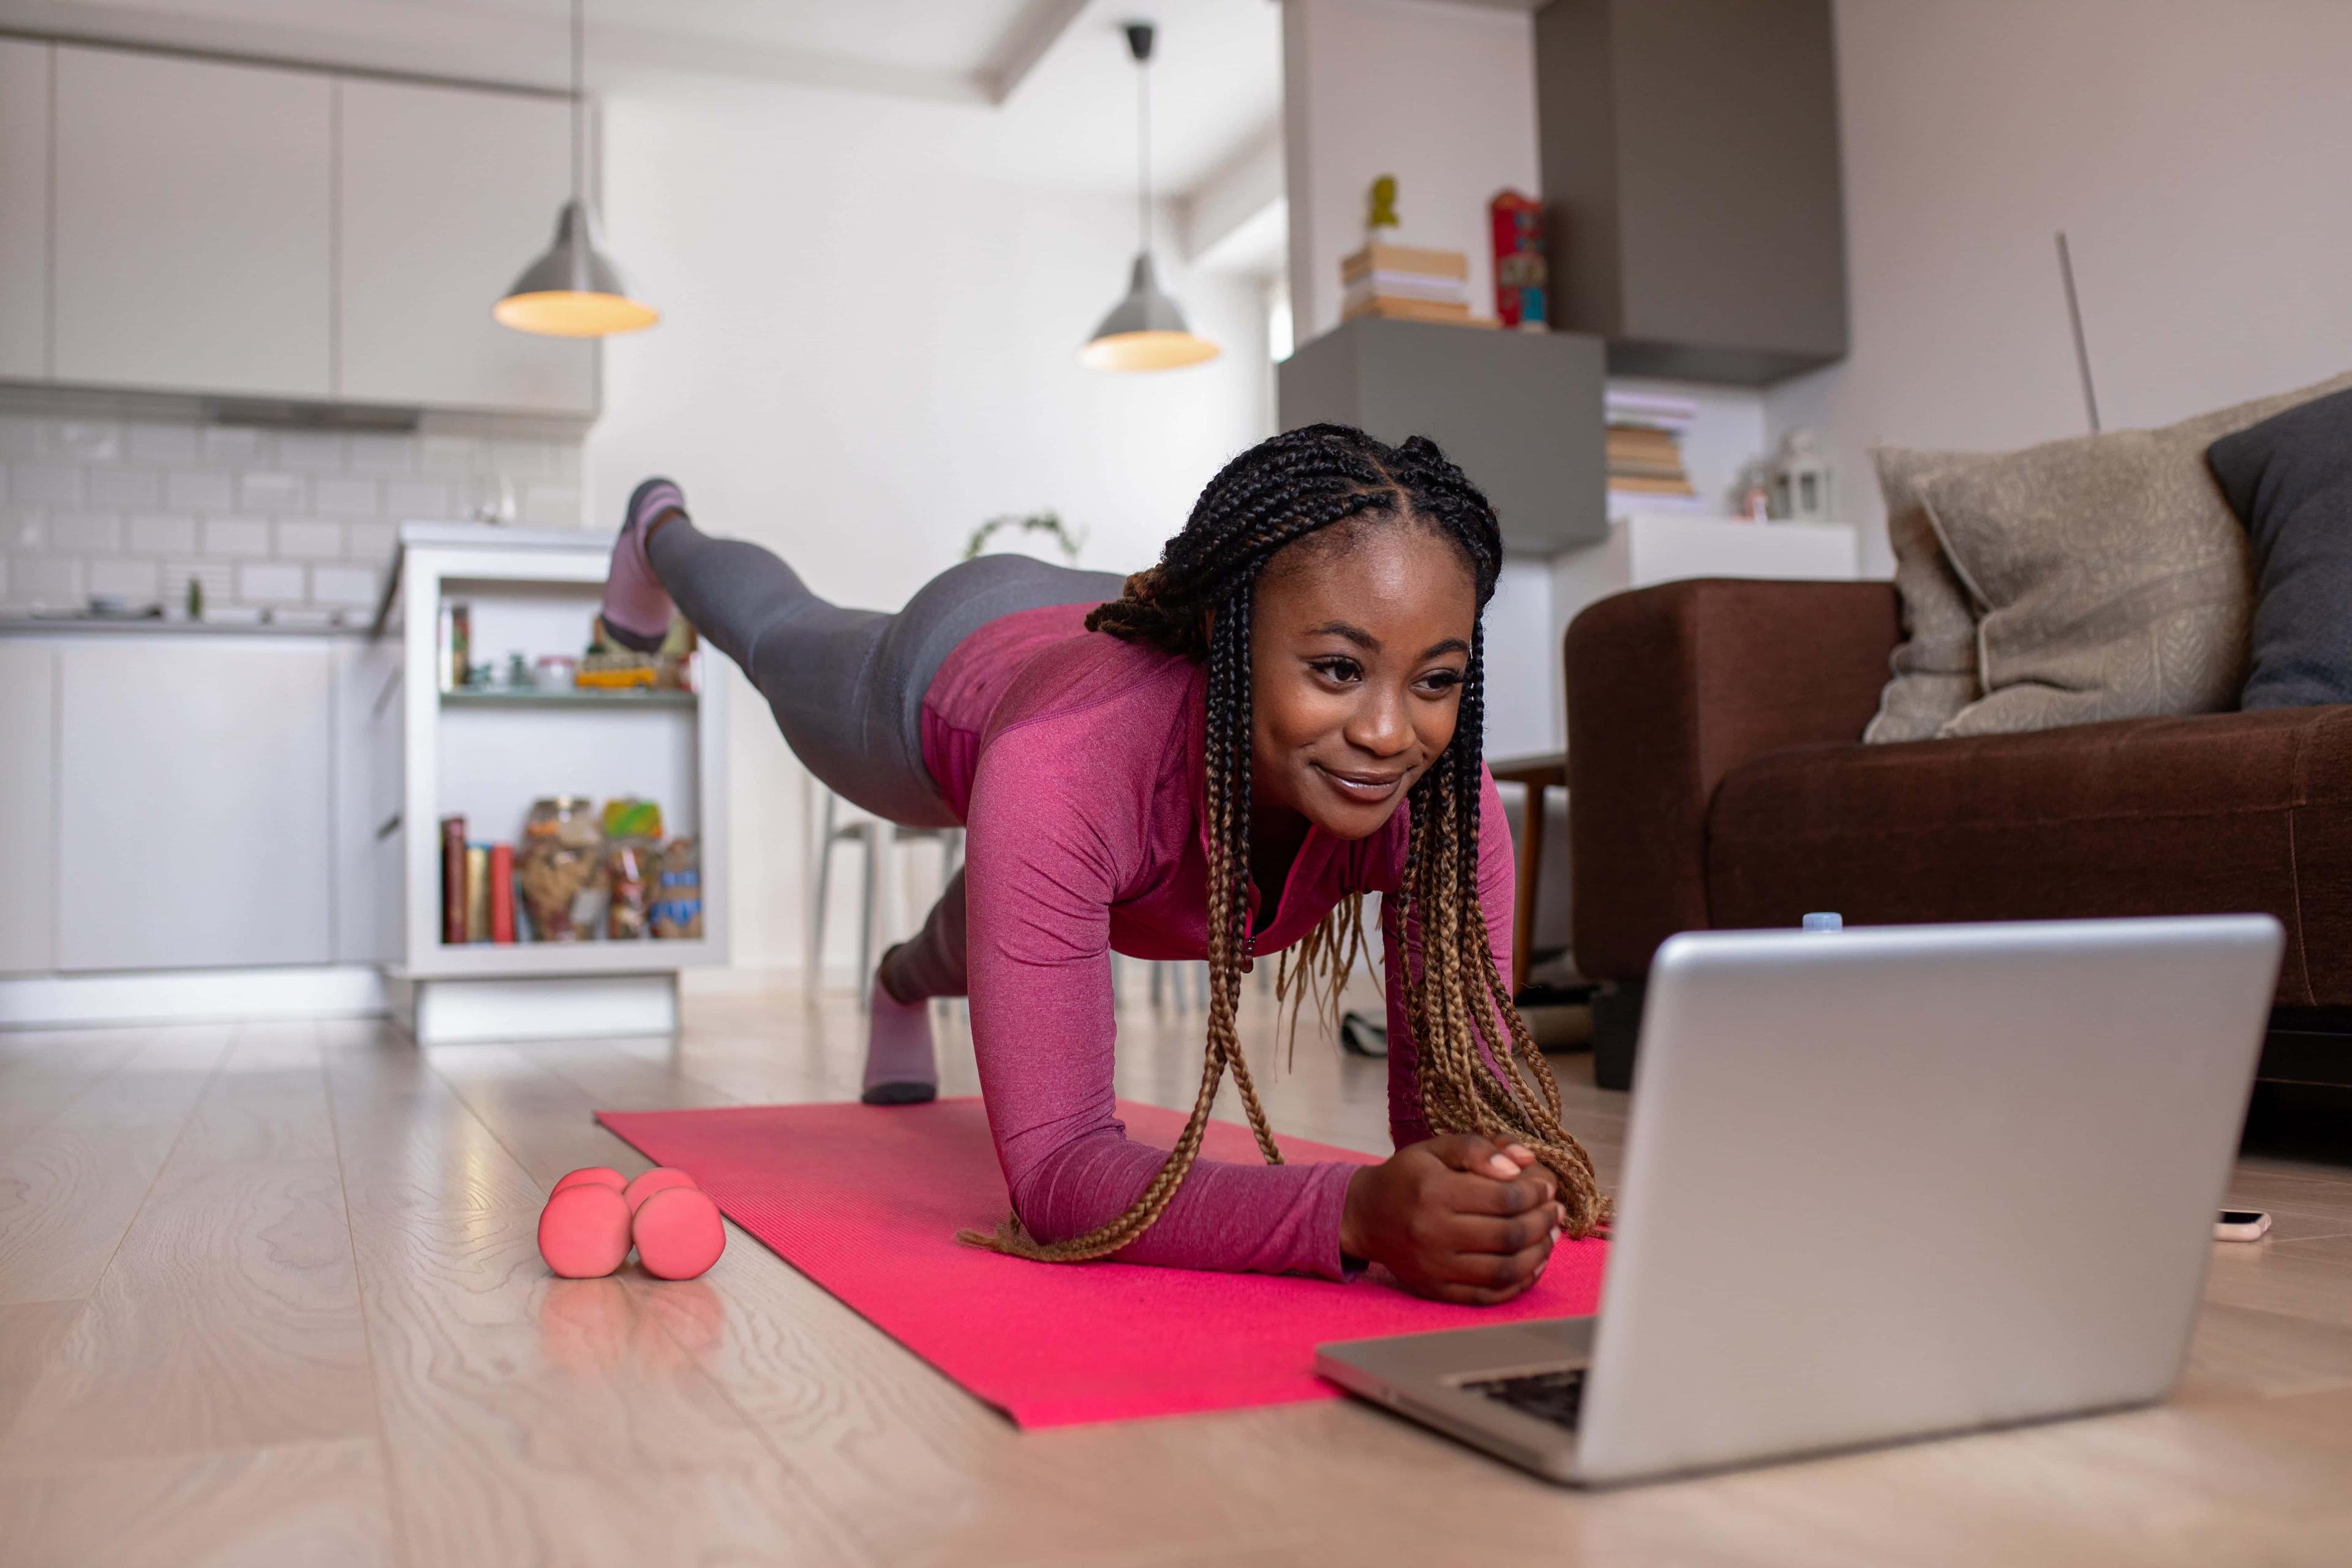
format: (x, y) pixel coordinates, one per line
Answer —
(488, 754)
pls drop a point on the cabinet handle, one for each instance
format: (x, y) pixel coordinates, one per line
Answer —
(391, 826)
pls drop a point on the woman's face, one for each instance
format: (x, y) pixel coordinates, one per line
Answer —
(1359, 637)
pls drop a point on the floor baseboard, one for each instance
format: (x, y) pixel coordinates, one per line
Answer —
(191, 997)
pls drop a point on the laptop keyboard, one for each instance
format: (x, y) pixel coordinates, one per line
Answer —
(1552, 1396)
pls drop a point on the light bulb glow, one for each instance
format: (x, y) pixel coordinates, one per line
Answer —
(573, 313)
(1147, 350)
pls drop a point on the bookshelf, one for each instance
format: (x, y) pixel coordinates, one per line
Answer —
(487, 754)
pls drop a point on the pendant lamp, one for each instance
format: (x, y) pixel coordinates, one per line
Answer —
(573, 291)
(1144, 331)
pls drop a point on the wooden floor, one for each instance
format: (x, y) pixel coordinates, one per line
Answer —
(269, 1294)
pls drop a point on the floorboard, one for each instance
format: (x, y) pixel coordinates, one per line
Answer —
(511, 1442)
(69, 1191)
(272, 1295)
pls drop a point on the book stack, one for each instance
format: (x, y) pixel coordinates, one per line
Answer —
(1645, 453)
(476, 886)
(1401, 283)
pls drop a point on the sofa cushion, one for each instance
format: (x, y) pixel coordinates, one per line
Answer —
(2112, 577)
(2221, 813)
(2289, 480)
(1934, 669)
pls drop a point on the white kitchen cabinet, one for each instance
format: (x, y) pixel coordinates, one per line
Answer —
(442, 195)
(28, 682)
(194, 223)
(194, 805)
(24, 208)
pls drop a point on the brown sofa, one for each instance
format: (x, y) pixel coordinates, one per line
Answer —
(1716, 779)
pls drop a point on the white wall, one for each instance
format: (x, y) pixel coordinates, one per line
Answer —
(1442, 96)
(869, 346)
(2195, 153)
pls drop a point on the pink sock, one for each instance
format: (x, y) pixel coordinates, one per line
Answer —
(636, 607)
(901, 1067)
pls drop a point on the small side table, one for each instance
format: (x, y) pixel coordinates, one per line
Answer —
(1538, 775)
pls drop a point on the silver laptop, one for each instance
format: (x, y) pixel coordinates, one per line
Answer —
(1882, 1184)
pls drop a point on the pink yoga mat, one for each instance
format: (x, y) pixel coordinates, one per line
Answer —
(867, 1201)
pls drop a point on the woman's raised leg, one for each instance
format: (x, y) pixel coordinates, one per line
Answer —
(846, 689)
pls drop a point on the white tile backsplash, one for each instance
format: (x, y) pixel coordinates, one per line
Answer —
(551, 506)
(318, 451)
(45, 484)
(130, 490)
(88, 441)
(232, 444)
(310, 540)
(262, 518)
(372, 541)
(416, 497)
(348, 588)
(346, 498)
(380, 454)
(197, 491)
(46, 581)
(235, 536)
(273, 492)
(272, 582)
(85, 532)
(137, 581)
(161, 533)
(165, 444)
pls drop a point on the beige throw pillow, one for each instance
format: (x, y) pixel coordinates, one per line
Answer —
(1935, 665)
(2111, 579)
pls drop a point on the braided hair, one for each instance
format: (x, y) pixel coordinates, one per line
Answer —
(1479, 1068)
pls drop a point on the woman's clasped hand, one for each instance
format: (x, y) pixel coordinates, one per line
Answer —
(1455, 1218)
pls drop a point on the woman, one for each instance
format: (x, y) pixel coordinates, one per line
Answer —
(1216, 759)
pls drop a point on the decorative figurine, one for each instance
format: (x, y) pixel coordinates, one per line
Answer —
(1384, 213)
(1801, 481)
(1515, 223)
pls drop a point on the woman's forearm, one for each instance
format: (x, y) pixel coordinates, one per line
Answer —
(1266, 1219)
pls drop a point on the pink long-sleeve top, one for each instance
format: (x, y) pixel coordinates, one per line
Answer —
(1074, 761)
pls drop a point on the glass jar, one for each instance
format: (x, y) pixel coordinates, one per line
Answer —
(562, 867)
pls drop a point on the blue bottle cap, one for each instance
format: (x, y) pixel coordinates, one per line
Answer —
(1826, 920)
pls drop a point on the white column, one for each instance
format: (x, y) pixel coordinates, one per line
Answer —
(1439, 93)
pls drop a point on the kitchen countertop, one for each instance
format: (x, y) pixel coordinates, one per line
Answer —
(23, 625)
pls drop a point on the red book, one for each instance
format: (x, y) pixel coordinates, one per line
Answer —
(503, 892)
(453, 879)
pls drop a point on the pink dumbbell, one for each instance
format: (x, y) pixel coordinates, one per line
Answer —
(583, 1232)
(659, 1179)
(593, 1216)
(679, 1233)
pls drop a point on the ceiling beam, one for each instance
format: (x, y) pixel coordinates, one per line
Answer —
(1031, 35)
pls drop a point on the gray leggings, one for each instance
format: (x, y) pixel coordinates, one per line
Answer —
(846, 686)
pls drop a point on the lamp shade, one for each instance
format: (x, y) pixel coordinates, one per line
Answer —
(573, 291)
(1144, 331)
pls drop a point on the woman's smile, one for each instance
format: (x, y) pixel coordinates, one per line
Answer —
(1359, 787)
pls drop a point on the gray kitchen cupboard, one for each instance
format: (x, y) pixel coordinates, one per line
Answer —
(24, 207)
(194, 220)
(442, 195)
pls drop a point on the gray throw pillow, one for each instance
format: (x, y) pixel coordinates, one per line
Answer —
(2289, 480)
(1935, 665)
(2112, 579)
